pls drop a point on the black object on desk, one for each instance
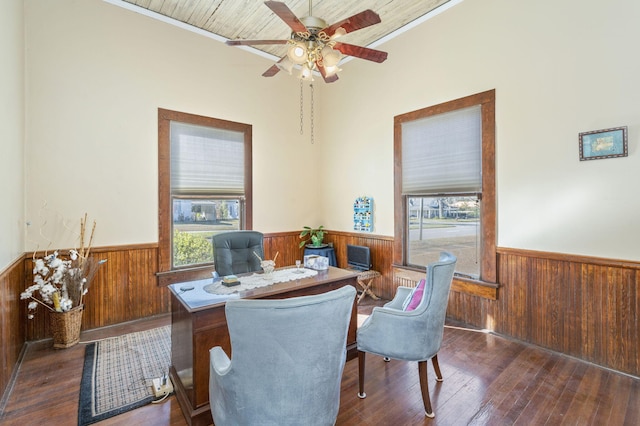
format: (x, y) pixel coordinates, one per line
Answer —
(328, 252)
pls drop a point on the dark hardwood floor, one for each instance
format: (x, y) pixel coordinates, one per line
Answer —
(488, 380)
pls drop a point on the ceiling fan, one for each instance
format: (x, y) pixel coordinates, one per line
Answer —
(313, 45)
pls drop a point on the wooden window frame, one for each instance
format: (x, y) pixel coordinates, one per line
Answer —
(488, 206)
(166, 273)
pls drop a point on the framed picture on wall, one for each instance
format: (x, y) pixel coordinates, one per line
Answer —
(605, 143)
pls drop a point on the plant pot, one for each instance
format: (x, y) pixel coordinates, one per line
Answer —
(65, 327)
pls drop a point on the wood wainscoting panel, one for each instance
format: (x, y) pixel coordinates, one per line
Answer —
(381, 257)
(580, 306)
(12, 320)
(124, 289)
(285, 244)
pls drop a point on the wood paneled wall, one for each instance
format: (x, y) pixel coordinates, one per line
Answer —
(583, 307)
(381, 257)
(124, 289)
(12, 319)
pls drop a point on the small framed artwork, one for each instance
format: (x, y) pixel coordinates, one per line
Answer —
(605, 143)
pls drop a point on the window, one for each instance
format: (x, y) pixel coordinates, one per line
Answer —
(445, 185)
(204, 185)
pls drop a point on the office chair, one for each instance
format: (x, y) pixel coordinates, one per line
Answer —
(287, 363)
(410, 327)
(237, 252)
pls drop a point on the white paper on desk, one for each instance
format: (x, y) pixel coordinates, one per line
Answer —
(198, 297)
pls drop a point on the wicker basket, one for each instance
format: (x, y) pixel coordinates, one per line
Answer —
(65, 327)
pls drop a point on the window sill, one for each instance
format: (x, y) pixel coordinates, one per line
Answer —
(460, 285)
(475, 288)
(181, 275)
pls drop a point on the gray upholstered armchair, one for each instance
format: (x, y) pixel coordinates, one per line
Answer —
(233, 252)
(410, 327)
(287, 364)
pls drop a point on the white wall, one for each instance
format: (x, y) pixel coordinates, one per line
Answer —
(559, 68)
(11, 132)
(96, 76)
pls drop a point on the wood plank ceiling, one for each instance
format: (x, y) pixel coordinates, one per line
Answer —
(251, 19)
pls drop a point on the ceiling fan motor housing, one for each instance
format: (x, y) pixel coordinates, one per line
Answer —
(313, 23)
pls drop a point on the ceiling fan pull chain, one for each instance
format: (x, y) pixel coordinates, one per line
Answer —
(301, 110)
(311, 85)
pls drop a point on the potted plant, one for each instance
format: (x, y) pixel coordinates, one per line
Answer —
(312, 237)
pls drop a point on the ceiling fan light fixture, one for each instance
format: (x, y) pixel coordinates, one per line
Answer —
(330, 57)
(338, 33)
(285, 65)
(297, 52)
(330, 71)
(312, 44)
(306, 73)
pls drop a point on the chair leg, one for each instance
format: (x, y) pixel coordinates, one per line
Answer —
(436, 367)
(361, 356)
(424, 388)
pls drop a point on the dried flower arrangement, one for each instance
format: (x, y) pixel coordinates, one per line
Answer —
(61, 283)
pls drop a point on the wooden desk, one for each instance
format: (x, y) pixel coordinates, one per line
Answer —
(195, 330)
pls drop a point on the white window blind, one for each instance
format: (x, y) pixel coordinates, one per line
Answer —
(206, 160)
(442, 153)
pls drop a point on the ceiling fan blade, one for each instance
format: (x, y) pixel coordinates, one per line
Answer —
(273, 70)
(251, 42)
(283, 11)
(356, 22)
(323, 73)
(361, 52)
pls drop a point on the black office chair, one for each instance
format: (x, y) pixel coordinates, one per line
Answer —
(237, 252)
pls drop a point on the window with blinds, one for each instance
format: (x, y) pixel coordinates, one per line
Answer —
(440, 175)
(206, 177)
(207, 189)
(441, 153)
(206, 160)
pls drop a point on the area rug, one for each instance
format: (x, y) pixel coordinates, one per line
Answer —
(118, 373)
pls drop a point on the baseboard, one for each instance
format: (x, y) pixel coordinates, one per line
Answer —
(12, 380)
